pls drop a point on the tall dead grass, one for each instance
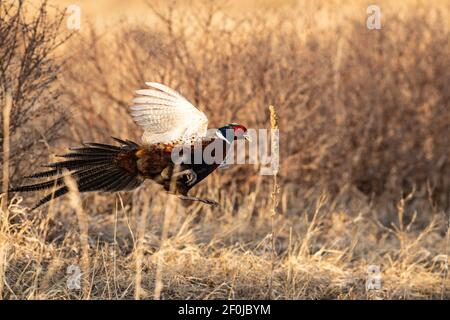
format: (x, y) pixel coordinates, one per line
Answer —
(361, 108)
(364, 175)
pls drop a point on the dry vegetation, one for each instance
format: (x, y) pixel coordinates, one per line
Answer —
(365, 158)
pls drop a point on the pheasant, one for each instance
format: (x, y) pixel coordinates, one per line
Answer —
(170, 123)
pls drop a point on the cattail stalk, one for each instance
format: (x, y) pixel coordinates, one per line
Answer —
(4, 222)
(139, 249)
(275, 201)
(75, 201)
(170, 208)
(6, 123)
(446, 255)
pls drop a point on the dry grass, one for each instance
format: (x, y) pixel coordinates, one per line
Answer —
(364, 176)
(211, 255)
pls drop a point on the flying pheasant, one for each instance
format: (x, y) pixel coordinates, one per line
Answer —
(171, 123)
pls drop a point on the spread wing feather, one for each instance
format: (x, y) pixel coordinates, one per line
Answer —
(166, 116)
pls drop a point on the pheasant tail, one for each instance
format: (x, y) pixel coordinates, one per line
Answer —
(94, 167)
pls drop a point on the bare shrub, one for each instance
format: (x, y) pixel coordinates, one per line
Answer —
(358, 108)
(28, 72)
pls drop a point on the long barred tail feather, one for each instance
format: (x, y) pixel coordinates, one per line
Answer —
(58, 193)
(102, 146)
(43, 174)
(94, 167)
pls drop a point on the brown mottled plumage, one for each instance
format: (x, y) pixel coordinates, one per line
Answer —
(168, 120)
(108, 168)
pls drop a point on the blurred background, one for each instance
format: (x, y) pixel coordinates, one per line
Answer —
(364, 115)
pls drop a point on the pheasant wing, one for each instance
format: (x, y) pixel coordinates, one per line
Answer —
(166, 116)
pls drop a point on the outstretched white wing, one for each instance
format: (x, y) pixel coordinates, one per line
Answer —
(166, 116)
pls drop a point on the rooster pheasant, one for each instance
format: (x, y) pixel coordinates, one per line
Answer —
(169, 121)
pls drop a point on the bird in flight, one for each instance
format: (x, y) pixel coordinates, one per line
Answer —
(169, 122)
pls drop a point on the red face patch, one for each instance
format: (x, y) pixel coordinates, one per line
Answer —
(239, 130)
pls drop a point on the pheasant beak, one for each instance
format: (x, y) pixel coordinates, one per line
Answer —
(247, 137)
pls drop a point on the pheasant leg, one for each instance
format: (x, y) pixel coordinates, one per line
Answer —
(207, 201)
(190, 175)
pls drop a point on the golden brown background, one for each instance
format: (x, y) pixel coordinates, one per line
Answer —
(365, 157)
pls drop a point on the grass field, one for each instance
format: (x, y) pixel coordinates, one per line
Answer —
(364, 180)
